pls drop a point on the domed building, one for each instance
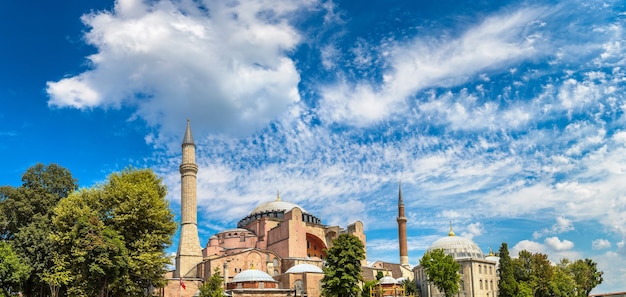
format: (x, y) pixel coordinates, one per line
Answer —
(281, 239)
(478, 273)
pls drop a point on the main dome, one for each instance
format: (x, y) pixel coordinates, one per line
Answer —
(458, 247)
(276, 205)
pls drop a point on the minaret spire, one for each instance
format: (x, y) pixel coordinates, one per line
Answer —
(404, 255)
(189, 251)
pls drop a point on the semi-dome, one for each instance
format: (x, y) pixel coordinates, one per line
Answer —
(252, 275)
(276, 205)
(458, 247)
(304, 268)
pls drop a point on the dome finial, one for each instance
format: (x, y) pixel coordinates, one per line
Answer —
(277, 195)
(451, 232)
(491, 252)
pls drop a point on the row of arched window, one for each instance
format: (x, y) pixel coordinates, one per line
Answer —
(483, 269)
(488, 285)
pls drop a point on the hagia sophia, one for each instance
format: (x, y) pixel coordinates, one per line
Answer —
(278, 249)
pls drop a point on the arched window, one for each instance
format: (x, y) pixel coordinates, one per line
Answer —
(480, 269)
(481, 284)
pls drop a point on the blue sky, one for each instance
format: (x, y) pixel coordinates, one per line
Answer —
(504, 117)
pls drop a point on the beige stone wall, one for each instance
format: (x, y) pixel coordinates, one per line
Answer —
(474, 272)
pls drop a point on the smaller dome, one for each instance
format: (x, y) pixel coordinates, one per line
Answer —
(388, 280)
(252, 275)
(304, 268)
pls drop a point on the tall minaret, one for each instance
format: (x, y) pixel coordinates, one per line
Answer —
(189, 250)
(404, 255)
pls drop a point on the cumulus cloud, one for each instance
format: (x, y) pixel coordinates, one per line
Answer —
(558, 245)
(473, 229)
(599, 244)
(224, 65)
(528, 245)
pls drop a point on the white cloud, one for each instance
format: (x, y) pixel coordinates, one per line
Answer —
(528, 245)
(599, 244)
(473, 229)
(558, 245)
(423, 63)
(172, 60)
(562, 225)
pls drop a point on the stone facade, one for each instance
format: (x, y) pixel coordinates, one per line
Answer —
(274, 237)
(479, 277)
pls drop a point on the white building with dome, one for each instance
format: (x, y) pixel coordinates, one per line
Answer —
(479, 277)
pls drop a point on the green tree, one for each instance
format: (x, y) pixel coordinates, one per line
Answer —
(586, 275)
(113, 236)
(535, 270)
(368, 286)
(410, 287)
(442, 271)
(13, 272)
(93, 253)
(379, 275)
(27, 215)
(507, 284)
(342, 272)
(212, 287)
(524, 290)
(562, 283)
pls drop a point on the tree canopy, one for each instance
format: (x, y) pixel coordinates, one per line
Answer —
(442, 271)
(112, 237)
(213, 287)
(13, 272)
(507, 285)
(533, 275)
(27, 219)
(342, 272)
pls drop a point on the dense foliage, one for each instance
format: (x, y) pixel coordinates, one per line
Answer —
(13, 272)
(533, 275)
(410, 287)
(108, 240)
(507, 285)
(212, 287)
(368, 286)
(442, 271)
(112, 237)
(342, 272)
(28, 212)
